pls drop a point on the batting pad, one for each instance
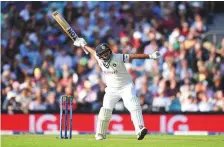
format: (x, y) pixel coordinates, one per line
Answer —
(103, 120)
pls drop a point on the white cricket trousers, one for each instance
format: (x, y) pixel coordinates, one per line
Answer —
(131, 102)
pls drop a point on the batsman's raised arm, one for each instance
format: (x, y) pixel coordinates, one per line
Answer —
(154, 56)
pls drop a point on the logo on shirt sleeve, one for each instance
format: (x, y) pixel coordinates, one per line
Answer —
(125, 58)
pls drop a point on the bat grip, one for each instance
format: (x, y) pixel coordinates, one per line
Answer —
(85, 50)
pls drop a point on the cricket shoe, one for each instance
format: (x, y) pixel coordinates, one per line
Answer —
(100, 137)
(142, 133)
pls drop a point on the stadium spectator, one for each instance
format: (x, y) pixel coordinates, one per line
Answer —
(25, 13)
(219, 103)
(190, 105)
(10, 102)
(38, 103)
(52, 104)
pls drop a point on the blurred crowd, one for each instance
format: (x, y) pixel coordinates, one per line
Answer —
(39, 63)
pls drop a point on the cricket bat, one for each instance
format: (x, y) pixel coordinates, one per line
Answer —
(66, 27)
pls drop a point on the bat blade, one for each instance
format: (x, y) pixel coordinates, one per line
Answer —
(65, 26)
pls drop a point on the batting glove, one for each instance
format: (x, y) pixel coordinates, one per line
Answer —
(80, 42)
(154, 55)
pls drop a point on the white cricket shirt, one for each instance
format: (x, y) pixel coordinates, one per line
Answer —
(116, 75)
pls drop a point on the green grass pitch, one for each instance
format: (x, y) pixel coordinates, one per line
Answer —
(27, 140)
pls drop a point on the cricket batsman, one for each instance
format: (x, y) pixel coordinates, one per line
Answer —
(119, 85)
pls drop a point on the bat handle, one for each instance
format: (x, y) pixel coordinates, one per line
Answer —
(85, 50)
